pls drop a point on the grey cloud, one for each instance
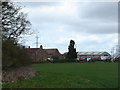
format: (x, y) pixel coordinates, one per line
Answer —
(105, 11)
(93, 27)
(94, 18)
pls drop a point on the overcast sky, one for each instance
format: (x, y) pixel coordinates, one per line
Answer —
(92, 25)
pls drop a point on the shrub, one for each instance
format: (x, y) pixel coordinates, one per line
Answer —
(14, 55)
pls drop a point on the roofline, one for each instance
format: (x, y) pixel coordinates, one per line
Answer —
(53, 49)
(93, 53)
(45, 49)
(32, 48)
(96, 51)
(50, 48)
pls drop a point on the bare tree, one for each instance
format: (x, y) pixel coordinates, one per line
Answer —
(14, 22)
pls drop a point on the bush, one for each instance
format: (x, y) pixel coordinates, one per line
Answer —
(14, 55)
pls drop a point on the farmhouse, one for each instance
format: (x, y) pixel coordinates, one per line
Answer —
(40, 54)
(93, 55)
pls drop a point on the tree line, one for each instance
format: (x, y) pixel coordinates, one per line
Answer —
(14, 24)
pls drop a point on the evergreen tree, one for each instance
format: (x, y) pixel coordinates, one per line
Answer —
(72, 54)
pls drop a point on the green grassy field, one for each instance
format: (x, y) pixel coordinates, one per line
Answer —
(71, 75)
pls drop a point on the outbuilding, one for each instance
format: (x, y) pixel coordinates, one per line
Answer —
(93, 55)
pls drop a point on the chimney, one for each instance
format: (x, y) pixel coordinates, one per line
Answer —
(41, 47)
(23, 46)
(29, 47)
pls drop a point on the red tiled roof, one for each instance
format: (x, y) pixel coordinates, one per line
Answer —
(52, 51)
(48, 51)
(32, 49)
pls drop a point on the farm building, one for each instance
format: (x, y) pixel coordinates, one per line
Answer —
(93, 55)
(40, 54)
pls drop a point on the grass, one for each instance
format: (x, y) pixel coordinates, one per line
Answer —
(71, 75)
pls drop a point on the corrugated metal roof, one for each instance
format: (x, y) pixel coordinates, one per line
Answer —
(92, 53)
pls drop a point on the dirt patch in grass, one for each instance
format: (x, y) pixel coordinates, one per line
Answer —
(17, 74)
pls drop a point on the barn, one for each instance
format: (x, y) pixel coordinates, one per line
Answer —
(93, 55)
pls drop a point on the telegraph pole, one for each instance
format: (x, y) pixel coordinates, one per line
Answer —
(37, 41)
